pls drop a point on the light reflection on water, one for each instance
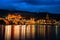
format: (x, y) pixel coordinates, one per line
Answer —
(29, 32)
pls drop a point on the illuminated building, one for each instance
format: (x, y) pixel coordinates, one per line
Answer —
(18, 19)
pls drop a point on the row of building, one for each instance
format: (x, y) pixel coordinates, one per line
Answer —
(18, 19)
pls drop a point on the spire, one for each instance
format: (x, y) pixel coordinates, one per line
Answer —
(47, 16)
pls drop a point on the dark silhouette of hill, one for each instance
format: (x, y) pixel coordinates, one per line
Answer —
(31, 14)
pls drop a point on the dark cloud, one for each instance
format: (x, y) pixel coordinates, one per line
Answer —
(44, 2)
(52, 6)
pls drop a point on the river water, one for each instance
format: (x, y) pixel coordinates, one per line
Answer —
(29, 32)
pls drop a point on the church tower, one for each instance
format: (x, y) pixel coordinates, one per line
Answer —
(47, 17)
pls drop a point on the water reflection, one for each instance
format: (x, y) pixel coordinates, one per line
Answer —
(8, 32)
(29, 32)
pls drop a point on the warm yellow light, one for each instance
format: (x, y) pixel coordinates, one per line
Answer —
(33, 31)
(28, 31)
(16, 32)
(8, 32)
(23, 27)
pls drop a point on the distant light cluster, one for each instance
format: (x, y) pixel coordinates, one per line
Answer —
(19, 19)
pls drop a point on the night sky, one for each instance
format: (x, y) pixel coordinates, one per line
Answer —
(51, 6)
